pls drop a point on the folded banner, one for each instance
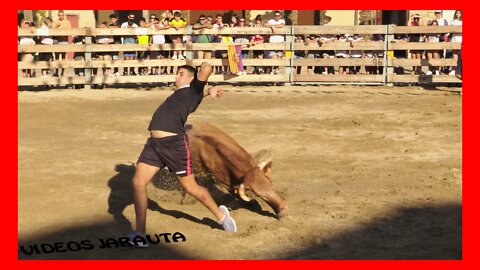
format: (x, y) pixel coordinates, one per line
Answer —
(235, 58)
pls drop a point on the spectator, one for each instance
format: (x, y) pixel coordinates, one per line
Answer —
(326, 54)
(298, 54)
(257, 39)
(234, 21)
(342, 70)
(27, 57)
(376, 55)
(178, 23)
(415, 54)
(357, 54)
(104, 56)
(116, 40)
(218, 39)
(456, 37)
(158, 39)
(202, 23)
(129, 55)
(166, 17)
(313, 41)
(276, 23)
(432, 54)
(61, 23)
(143, 40)
(443, 37)
(46, 40)
(226, 39)
(399, 38)
(242, 39)
(79, 56)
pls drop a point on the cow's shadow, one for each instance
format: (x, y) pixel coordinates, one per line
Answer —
(121, 196)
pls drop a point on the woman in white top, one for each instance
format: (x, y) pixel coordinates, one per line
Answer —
(456, 37)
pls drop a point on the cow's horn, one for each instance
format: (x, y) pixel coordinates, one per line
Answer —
(241, 193)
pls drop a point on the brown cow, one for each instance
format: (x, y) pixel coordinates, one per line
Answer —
(230, 164)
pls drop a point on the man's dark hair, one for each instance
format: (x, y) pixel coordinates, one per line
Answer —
(113, 16)
(188, 68)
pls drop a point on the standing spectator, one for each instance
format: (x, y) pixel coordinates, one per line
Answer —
(443, 37)
(342, 70)
(456, 37)
(354, 39)
(143, 40)
(116, 40)
(415, 54)
(61, 23)
(432, 54)
(276, 23)
(376, 55)
(158, 39)
(166, 17)
(257, 39)
(218, 24)
(129, 55)
(46, 40)
(326, 54)
(298, 54)
(203, 38)
(178, 23)
(313, 40)
(105, 56)
(226, 39)
(27, 57)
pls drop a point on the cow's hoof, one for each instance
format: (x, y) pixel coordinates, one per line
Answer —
(282, 214)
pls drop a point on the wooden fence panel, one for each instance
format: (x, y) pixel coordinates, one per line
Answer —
(287, 65)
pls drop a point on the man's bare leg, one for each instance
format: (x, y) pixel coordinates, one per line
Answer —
(201, 193)
(143, 175)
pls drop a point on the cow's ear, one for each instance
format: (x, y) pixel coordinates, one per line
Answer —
(266, 166)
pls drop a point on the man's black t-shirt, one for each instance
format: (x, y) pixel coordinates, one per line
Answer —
(172, 114)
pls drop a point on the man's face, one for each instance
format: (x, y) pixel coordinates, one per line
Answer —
(203, 20)
(183, 77)
(61, 16)
(278, 16)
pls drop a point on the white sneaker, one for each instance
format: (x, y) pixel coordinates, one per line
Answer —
(244, 72)
(429, 73)
(227, 221)
(137, 240)
(452, 72)
(174, 57)
(437, 72)
(239, 73)
(180, 56)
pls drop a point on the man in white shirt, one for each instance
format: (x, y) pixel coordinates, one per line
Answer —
(275, 23)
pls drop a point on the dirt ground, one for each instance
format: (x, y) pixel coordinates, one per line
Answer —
(369, 172)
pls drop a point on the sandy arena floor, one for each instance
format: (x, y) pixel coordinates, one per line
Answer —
(368, 172)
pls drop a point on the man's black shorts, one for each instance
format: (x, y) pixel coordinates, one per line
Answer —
(172, 151)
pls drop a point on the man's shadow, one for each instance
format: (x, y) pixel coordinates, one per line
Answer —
(121, 195)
